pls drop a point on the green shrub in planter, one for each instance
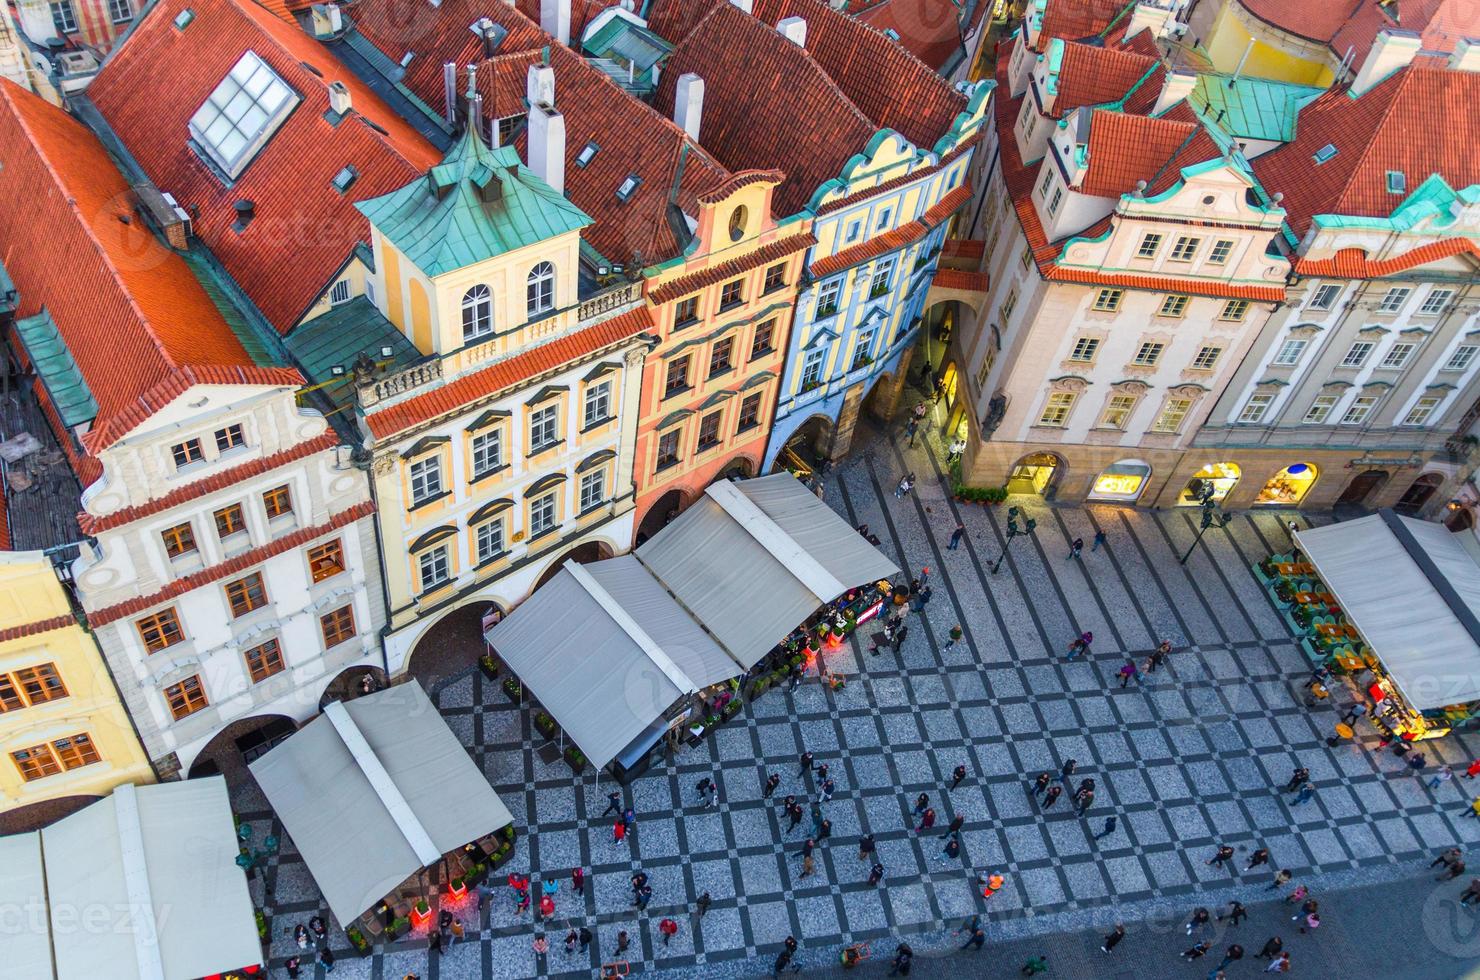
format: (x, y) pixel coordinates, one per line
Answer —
(711, 720)
(509, 832)
(261, 926)
(399, 927)
(422, 907)
(358, 941)
(731, 709)
(459, 883)
(545, 724)
(512, 688)
(489, 666)
(575, 758)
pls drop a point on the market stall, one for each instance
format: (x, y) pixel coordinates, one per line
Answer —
(143, 883)
(1396, 602)
(372, 792)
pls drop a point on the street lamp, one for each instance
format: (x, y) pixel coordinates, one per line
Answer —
(1013, 531)
(1210, 517)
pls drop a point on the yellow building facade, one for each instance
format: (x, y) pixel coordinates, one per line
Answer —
(63, 731)
(1241, 42)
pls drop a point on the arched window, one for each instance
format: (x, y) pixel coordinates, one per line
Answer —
(541, 289)
(477, 313)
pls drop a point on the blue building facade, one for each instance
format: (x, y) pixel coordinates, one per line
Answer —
(880, 226)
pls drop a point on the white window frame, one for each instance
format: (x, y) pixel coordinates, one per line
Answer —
(1290, 352)
(1256, 408)
(1149, 353)
(1422, 410)
(827, 296)
(1221, 250)
(1185, 250)
(1234, 310)
(1085, 349)
(63, 17)
(593, 490)
(1172, 415)
(425, 479)
(1394, 298)
(120, 11)
(1055, 201)
(232, 141)
(1108, 300)
(544, 428)
(1206, 358)
(1435, 302)
(1174, 305)
(1149, 246)
(883, 272)
(598, 404)
(1357, 354)
(339, 293)
(489, 538)
(539, 291)
(1057, 409)
(862, 345)
(1463, 357)
(1397, 355)
(1359, 410)
(813, 365)
(1325, 296)
(542, 514)
(434, 568)
(1118, 409)
(1320, 410)
(488, 452)
(477, 313)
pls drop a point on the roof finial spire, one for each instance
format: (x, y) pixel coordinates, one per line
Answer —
(472, 80)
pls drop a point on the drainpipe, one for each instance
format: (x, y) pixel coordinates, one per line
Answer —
(385, 590)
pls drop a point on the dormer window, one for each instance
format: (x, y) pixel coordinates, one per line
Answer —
(587, 154)
(1325, 153)
(345, 178)
(628, 187)
(241, 114)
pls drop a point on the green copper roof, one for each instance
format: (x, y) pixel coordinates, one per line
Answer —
(476, 204)
(57, 369)
(337, 338)
(622, 40)
(1253, 108)
(8, 296)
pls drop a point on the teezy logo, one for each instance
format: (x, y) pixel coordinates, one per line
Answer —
(1451, 927)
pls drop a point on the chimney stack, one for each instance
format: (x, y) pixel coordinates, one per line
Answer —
(688, 104)
(546, 128)
(1174, 88)
(1466, 55)
(555, 19)
(338, 98)
(475, 102)
(325, 19)
(1391, 51)
(746, 5)
(1144, 16)
(449, 91)
(794, 29)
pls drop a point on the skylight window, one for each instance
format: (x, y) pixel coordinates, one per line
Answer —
(183, 18)
(587, 154)
(629, 187)
(345, 178)
(1325, 153)
(241, 114)
(1397, 181)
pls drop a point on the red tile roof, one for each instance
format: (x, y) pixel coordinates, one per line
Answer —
(304, 230)
(134, 317)
(929, 29)
(1314, 21)
(1352, 263)
(896, 238)
(765, 255)
(1420, 121)
(36, 628)
(582, 12)
(963, 248)
(962, 279)
(1091, 75)
(1124, 149)
(95, 524)
(510, 371)
(232, 566)
(1074, 19)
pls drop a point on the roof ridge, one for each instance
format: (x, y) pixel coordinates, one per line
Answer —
(54, 175)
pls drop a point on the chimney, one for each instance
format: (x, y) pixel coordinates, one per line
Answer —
(745, 5)
(1392, 50)
(555, 19)
(794, 29)
(688, 103)
(1176, 87)
(546, 128)
(1466, 55)
(475, 103)
(1144, 16)
(449, 91)
(338, 98)
(325, 19)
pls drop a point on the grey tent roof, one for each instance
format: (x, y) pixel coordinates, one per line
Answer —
(372, 791)
(1412, 588)
(607, 652)
(157, 863)
(753, 558)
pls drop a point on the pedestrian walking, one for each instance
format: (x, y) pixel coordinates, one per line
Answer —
(1223, 853)
(824, 830)
(1099, 540)
(825, 791)
(457, 933)
(1474, 808)
(1086, 800)
(434, 942)
(669, 929)
(1236, 913)
(1471, 893)
(772, 782)
(807, 849)
(1444, 775)
(956, 536)
(906, 484)
(910, 427)
(1109, 827)
(1296, 778)
(1272, 947)
(1081, 645)
(571, 938)
(1280, 964)
(702, 905)
(629, 817)
(817, 820)
(1447, 858)
(921, 599)
(1356, 711)
(899, 637)
(644, 896)
(1052, 796)
(1232, 954)
(1417, 763)
(922, 803)
(521, 901)
(954, 635)
(796, 816)
(876, 874)
(866, 847)
(326, 958)
(1067, 770)
(952, 849)
(638, 881)
(955, 826)
(1310, 907)
(622, 942)
(1076, 548)
(1259, 857)
(1473, 770)
(1086, 785)
(613, 803)
(1197, 952)
(1304, 795)
(977, 939)
(300, 936)
(805, 763)
(900, 965)
(1128, 671)
(1311, 924)
(957, 775)
(1036, 965)
(1455, 869)
(1041, 783)
(1281, 879)
(1298, 895)
(927, 820)
(819, 772)
(809, 865)
(1199, 918)
(1112, 940)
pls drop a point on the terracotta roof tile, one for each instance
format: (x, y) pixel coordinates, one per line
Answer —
(510, 371)
(1313, 21)
(232, 566)
(928, 29)
(304, 230)
(1352, 263)
(1124, 149)
(97, 523)
(962, 279)
(1091, 75)
(963, 248)
(764, 255)
(1075, 19)
(1420, 121)
(131, 312)
(36, 628)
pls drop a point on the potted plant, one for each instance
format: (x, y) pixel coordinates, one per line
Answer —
(422, 908)
(512, 689)
(732, 708)
(509, 833)
(489, 666)
(358, 941)
(545, 724)
(711, 720)
(261, 926)
(575, 758)
(399, 927)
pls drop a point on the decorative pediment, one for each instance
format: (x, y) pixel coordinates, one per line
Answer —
(491, 417)
(1377, 385)
(715, 399)
(1337, 385)
(1414, 331)
(1189, 390)
(604, 368)
(1306, 329)
(544, 483)
(820, 335)
(425, 445)
(1440, 386)
(758, 379)
(546, 393)
(441, 533)
(1273, 383)
(596, 459)
(1373, 330)
(673, 418)
(1068, 382)
(490, 510)
(1131, 386)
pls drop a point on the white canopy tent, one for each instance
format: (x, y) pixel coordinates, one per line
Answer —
(374, 790)
(1412, 589)
(608, 652)
(141, 884)
(753, 558)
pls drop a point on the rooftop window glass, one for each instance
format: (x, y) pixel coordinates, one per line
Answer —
(241, 114)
